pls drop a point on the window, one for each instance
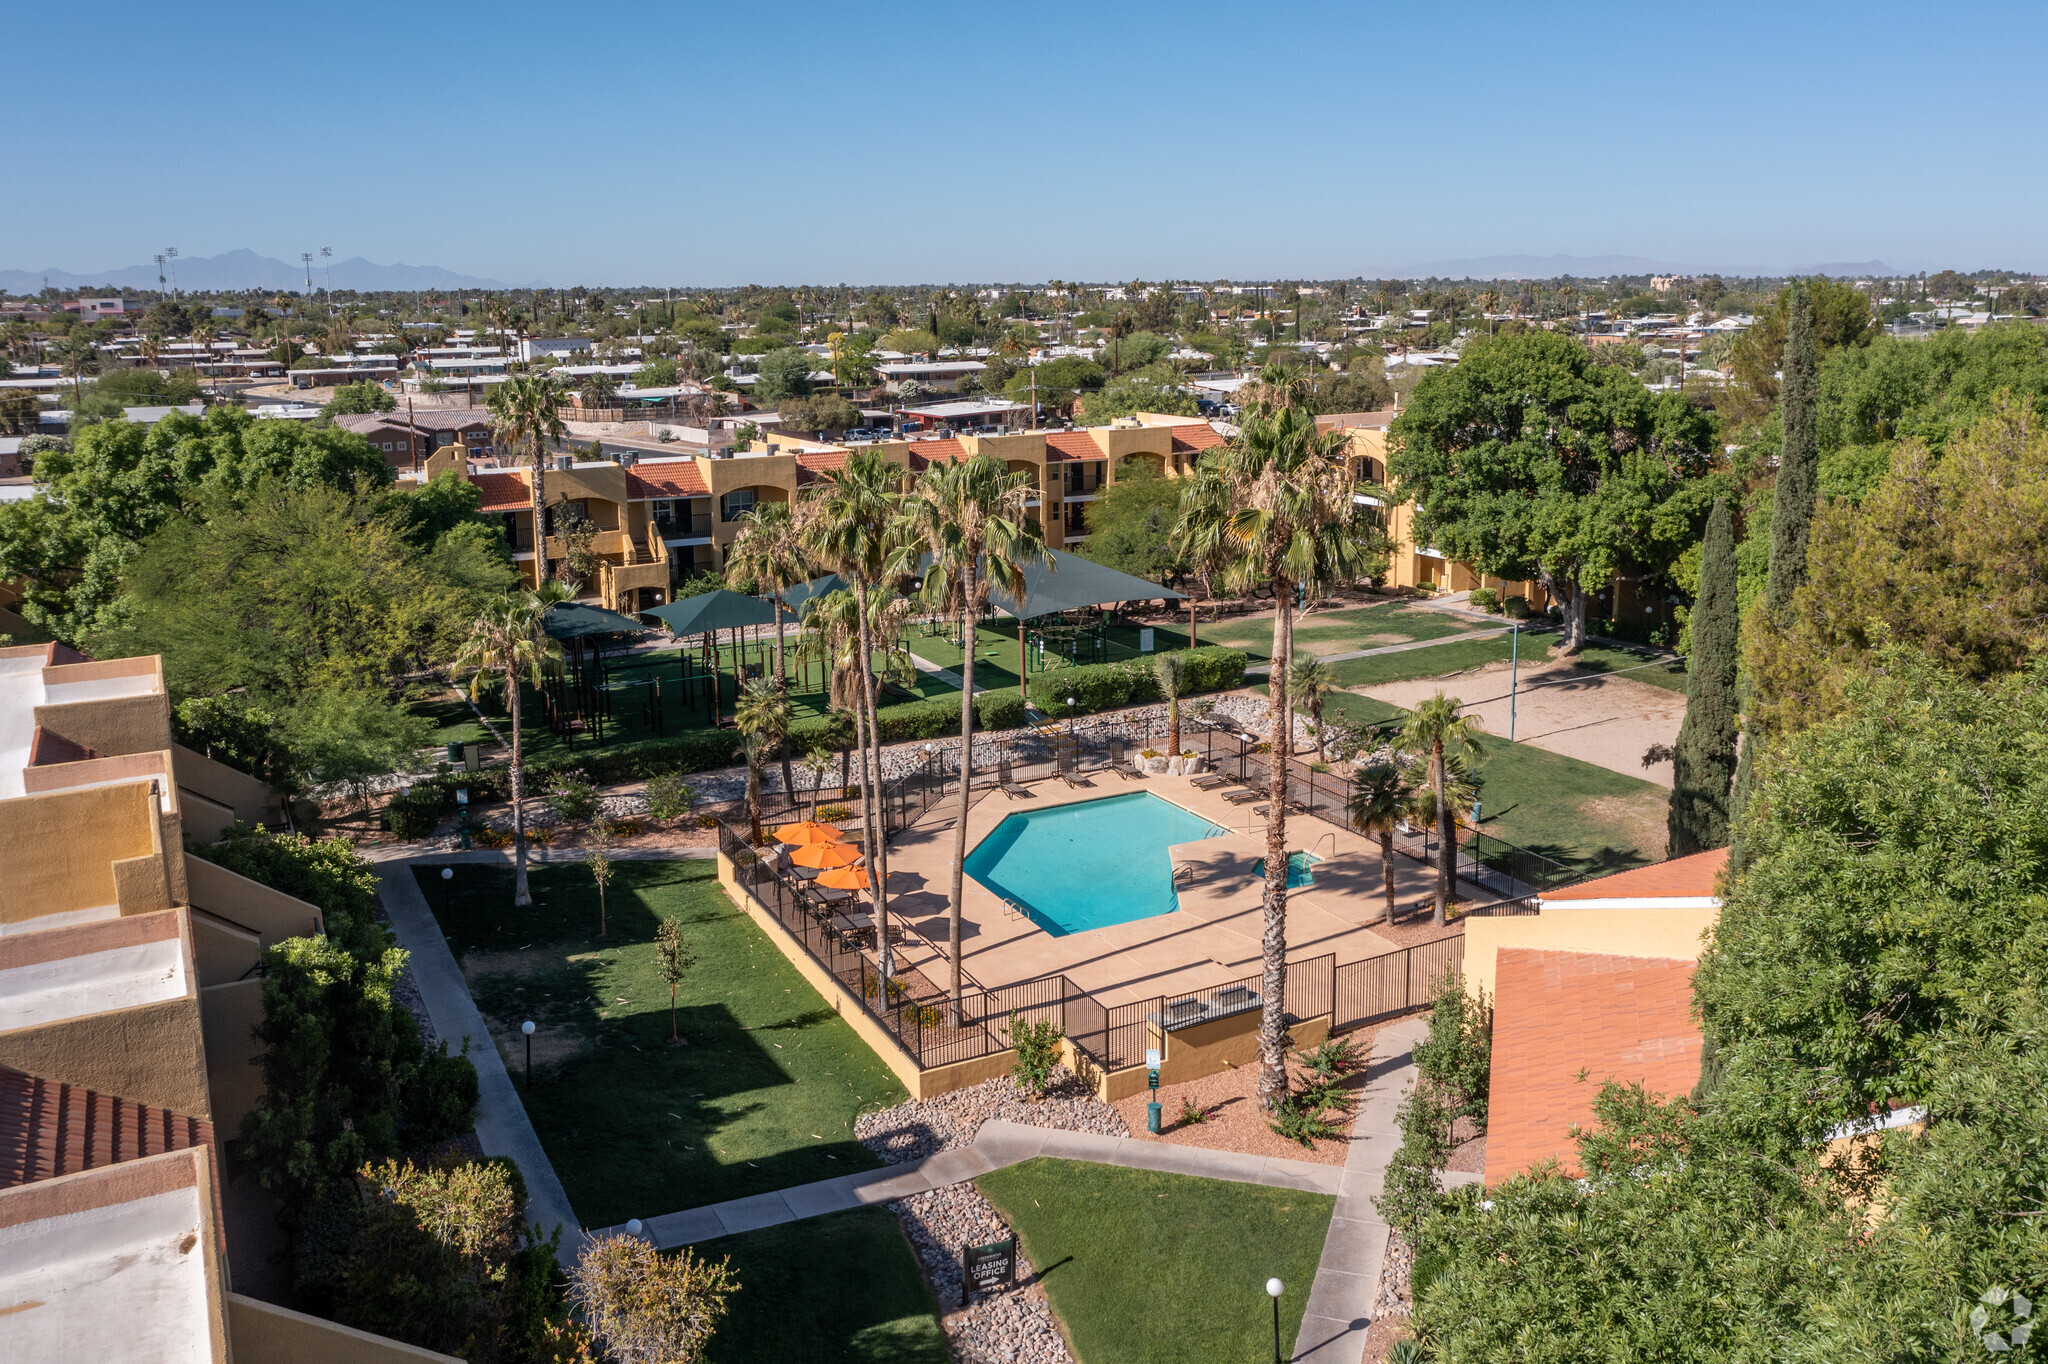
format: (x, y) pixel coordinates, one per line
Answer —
(737, 503)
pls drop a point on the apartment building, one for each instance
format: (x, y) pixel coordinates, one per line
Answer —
(408, 439)
(129, 990)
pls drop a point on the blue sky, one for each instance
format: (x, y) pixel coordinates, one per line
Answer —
(821, 143)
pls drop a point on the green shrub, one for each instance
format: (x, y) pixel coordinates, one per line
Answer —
(670, 797)
(1486, 599)
(1108, 686)
(326, 874)
(1457, 1056)
(412, 815)
(999, 709)
(573, 796)
(1515, 608)
(1038, 1051)
(1306, 1117)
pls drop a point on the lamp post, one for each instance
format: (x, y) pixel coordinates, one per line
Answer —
(448, 890)
(527, 1028)
(1070, 717)
(1274, 1288)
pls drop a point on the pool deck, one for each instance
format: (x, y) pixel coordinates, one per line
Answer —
(1212, 938)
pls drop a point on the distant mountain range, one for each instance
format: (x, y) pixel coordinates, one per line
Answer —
(244, 269)
(1600, 267)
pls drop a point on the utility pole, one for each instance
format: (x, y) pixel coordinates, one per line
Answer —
(327, 264)
(171, 255)
(307, 258)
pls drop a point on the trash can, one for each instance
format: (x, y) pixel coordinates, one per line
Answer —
(455, 751)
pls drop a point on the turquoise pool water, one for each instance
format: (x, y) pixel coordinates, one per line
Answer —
(1091, 864)
(1300, 869)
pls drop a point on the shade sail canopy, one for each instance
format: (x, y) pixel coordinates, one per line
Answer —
(801, 595)
(720, 610)
(578, 620)
(1070, 583)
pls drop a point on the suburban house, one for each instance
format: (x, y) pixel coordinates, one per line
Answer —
(406, 439)
(130, 985)
(1595, 986)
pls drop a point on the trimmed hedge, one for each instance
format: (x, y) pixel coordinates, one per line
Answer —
(1106, 686)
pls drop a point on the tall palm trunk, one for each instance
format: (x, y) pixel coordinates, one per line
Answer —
(540, 516)
(1387, 870)
(871, 780)
(1273, 941)
(782, 685)
(969, 628)
(522, 894)
(1447, 837)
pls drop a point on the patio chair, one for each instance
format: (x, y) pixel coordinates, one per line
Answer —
(1119, 763)
(1006, 781)
(1209, 781)
(1243, 795)
(1068, 771)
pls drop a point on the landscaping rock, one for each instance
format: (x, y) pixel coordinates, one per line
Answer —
(1016, 1327)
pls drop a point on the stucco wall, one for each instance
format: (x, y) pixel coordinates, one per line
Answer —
(250, 799)
(231, 1013)
(61, 847)
(222, 951)
(1676, 934)
(113, 725)
(270, 914)
(152, 1053)
(264, 1333)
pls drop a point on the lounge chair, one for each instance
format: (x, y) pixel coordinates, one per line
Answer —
(1006, 781)
(1243, 795)
(1119, 763)
(1067, 771)
(1209, 781)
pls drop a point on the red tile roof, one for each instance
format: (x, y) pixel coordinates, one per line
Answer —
(925, 453)
(811, 463)
(1189, 439)
(679, 479)
(1691, 877)
(1555, 1014)
(502, 492)
(49, 1128)
(1071, 445)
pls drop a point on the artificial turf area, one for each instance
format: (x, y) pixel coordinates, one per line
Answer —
(764, 1096)
(1331, 632)
(1145, 1267)
(843, 1287)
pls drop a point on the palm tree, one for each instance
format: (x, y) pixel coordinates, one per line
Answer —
(762, 714)
(525, 409)
(1436, 732)
(971, 516)
(1309, 684)
(852, 526)
(1171, 672)
(1120, 326)
(508, 642)
(1273, 507)
(769, 552)
(1381, 797)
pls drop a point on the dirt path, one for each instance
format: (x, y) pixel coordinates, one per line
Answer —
(1609, 721)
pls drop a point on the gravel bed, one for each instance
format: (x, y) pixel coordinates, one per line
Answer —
(1008, 1328)
(1394, 1269)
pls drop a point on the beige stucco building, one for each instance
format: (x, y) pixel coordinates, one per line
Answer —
(130, 987)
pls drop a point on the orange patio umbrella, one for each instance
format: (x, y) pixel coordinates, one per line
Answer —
(825, 855)
(808, 831)
(845, 878)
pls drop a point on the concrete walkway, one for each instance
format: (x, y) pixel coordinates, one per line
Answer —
(1341, 1301)
(945, 675)
(999, 1143)
(1261, 669)
(501, 1123)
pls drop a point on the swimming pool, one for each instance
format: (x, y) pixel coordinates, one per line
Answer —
(1300, 869)
(1090, 864)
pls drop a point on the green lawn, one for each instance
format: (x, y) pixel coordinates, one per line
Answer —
(1145, 1267)
(843, 1287)
(1590, 818)
(763, 1098)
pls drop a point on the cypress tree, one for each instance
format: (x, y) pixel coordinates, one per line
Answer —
(1704, 763)
(1798, 480)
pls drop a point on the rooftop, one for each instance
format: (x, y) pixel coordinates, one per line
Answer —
(91, 968)
(1683, 882)
(1558, 1015)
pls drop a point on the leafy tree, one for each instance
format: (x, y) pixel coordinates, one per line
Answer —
(1056, 382)
(1358, 389)
(140, 387)
(1135, 393)
(659, 372)
(1840, 318)
(824, 412)
(358, 398)
(1797, 483)
(1703, 766)
(914, 341)
(326, 873)
(1528, 459)
(673, 959)
(785, 373)
(346, 1076)
(1131, 524)
(1948, 553)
